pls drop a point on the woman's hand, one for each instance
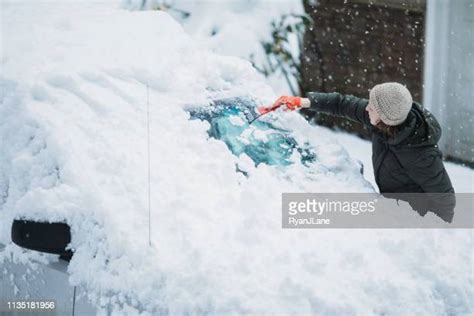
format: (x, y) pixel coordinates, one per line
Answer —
(292, 103)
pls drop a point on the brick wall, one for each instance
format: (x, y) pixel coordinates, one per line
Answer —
(356, 44)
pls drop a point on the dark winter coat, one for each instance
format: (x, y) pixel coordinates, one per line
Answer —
(410, 162)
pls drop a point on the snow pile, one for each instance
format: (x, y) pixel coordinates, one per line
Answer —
(231, 27)
(78, 82)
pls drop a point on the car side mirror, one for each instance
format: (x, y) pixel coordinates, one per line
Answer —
(43, 236)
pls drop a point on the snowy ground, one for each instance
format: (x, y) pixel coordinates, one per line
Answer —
(73, 126)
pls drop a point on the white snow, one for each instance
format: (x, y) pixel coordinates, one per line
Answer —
(233, 27)
(236, 120)
(73, 125)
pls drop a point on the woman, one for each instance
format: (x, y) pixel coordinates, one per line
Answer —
(405, 153)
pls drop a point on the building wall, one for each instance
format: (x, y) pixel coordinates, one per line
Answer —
(449, 74)
(356, 44)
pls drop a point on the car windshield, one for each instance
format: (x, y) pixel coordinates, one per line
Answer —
(262, 141)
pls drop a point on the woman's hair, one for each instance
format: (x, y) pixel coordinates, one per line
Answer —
(388, 130)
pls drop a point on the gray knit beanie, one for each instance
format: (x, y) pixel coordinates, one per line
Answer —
(392, 101)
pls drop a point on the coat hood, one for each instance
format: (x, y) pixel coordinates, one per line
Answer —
(419, 129)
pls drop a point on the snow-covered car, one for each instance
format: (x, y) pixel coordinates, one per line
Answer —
(116, 124)
(261, 141)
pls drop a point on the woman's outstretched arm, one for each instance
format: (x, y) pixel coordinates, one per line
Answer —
(347, 106)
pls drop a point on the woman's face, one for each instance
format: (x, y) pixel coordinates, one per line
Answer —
(373, 115)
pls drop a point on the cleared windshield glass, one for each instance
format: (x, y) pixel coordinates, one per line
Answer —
(261, 141)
